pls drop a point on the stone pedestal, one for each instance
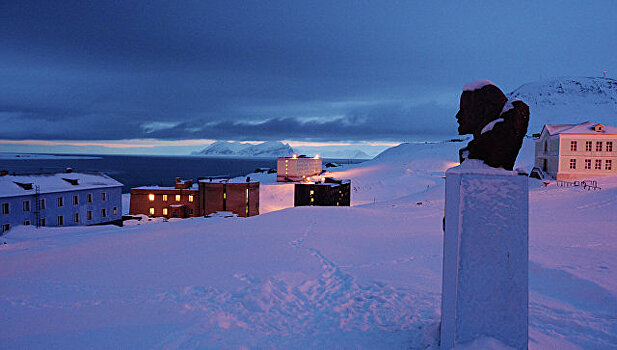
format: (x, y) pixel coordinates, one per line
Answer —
(485, 264)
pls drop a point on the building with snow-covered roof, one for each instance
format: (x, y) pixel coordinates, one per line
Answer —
(571, 151)
(329, 192)
(297, 168)
(179, 201)
(233, 195)
(61, 199)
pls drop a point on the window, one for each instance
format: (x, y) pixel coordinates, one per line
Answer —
(190, 211)
(573, 146)
(588, 146)
(115, 211)
(103, 213)
(103, 196)
(42, 203)
(60, 220)
(164, 198)
(177, 198)
(609, 146)
(190, 197)
(164, 211)
(60, 201)
(89, 197)
(598, 164)
(608, 164)
(587, 163)
(151, 197)
(42, 222)
(76, 217)
(26, 206)
(89, 215)
(545, 146)
(26, 222)
(6, 227)
(572, 164)
(599, 146)
(6, 209)
(75, 200)
(151, 211)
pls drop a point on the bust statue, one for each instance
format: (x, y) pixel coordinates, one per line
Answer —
(497, 124)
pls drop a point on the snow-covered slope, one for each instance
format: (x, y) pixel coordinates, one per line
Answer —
(360, 277)
(569, 101)
(235, 149)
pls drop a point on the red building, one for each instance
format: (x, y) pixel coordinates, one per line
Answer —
(180, 201)
(241, 198)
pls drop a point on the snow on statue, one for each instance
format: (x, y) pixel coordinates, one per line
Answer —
(498, 125)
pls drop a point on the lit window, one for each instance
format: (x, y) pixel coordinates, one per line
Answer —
(588, 146)
(224, 195)
(177, 198)
(609, 146)
(573, 146)
(164, 211)
(608, 164)
(190, 198)
(598, 165)
(572, 163)
(151, 197)
(151, 211)
(587, 163)
(60, 220)
(76, 217)
(164, 198)
(598, 146)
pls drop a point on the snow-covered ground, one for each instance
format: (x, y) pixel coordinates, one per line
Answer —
(366, 276)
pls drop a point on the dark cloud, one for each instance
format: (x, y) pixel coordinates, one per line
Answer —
(318, 70)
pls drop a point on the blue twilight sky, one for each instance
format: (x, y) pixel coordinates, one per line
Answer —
(171, 76)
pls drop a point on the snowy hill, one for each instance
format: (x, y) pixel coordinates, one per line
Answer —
(268, 149)
(360, 277)
(569, 100)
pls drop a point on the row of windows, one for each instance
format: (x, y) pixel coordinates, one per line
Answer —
(166, 211)
(60, 219)
(589, 146)
(597, 164)
(152, 197)
(26, 207)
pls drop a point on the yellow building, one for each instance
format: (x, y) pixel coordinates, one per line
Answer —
(296, 168)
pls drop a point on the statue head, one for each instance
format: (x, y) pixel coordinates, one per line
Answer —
(479, 107)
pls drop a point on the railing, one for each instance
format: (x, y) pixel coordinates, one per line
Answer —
(585, 184)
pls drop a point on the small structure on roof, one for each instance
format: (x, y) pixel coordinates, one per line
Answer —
(297, 168)
(571, 151)
(236, 196)
(60, 199)
(329, 192)
(179, 201)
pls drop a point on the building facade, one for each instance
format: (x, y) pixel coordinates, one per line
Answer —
(296, 168)
(180, 201)
(329, 192)
(62, 199)
(573, 151)
(241, 198)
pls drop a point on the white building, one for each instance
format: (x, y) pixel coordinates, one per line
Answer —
(62, 199)
(571, 151)
(296, 168)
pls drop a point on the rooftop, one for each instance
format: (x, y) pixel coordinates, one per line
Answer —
(20, 185)
(582, 128)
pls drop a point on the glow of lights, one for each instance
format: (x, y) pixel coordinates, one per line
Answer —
(295, 156)
(316, 156)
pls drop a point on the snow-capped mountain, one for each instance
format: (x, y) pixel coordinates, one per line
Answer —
(569, 100)
(237, 149)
